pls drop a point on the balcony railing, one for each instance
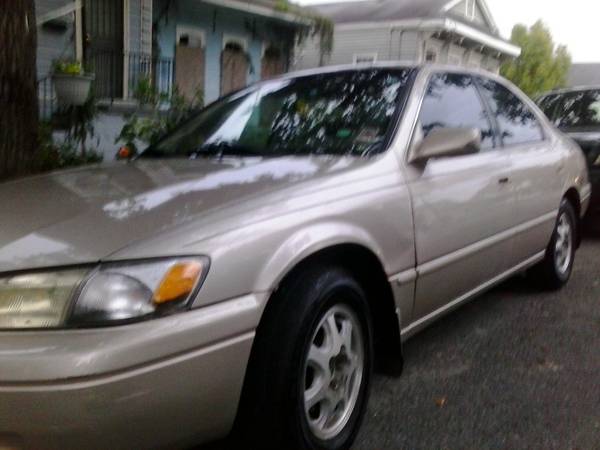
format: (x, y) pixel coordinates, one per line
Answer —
(117, 75)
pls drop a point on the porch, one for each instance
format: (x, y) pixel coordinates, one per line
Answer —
(120, 78)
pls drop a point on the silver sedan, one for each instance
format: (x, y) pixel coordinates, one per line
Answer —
(252, 268)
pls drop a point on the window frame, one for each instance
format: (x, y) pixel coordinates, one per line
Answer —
(497, 147)
(396, 120)
(525, 101)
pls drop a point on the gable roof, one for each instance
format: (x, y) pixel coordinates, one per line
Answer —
(396, 10)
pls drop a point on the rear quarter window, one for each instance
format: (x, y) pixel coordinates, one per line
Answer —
(516, 121)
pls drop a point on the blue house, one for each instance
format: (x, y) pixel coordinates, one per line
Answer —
(225, 44)
(197, 47)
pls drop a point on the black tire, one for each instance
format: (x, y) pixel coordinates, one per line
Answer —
(550, 273)
(272, 412)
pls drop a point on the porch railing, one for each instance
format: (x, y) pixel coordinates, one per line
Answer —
(117, 76)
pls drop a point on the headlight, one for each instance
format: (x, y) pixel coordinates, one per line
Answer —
(105, 295)
(37, 300)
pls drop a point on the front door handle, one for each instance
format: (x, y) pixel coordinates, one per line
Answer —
(504, 180)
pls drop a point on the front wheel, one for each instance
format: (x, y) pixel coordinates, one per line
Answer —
(556, 268)
(308, 379)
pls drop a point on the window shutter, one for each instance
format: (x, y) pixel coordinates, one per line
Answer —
(146, 27)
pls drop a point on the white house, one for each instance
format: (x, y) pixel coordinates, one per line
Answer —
(457, 32)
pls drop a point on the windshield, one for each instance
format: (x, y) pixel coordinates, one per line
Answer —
(579, 109)
(342, 113)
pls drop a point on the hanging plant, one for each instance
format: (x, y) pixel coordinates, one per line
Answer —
(71, 83)
(320, 26)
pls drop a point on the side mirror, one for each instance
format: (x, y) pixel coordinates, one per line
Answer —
(445, 142)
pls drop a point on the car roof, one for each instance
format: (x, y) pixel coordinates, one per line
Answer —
(433, 67)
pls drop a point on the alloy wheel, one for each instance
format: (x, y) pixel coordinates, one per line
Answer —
(333, 372)
(563, 250)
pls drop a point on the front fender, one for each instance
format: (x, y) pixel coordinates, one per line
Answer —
(307, 241)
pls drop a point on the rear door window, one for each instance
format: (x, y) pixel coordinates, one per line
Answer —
(452, 101)
(516, 121)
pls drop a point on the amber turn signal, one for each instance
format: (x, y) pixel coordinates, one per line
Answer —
(179, 282)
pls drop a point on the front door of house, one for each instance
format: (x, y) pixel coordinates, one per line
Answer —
(272, 63)
(103, 23)
(190, 63)
(234, 68)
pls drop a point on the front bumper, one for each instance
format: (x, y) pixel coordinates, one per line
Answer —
(166, 383)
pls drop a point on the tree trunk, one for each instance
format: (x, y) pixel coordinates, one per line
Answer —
(18, 88)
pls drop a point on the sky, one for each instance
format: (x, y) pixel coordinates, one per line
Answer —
(573, 23)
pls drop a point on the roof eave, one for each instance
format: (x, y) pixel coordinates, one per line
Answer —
(483, 38)
(441, 24)
(260, 11)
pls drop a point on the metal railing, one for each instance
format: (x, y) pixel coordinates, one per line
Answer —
(117, 76)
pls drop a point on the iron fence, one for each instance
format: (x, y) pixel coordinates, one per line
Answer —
(117, 76)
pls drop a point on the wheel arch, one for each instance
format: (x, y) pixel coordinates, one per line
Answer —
(572, 196)
(366, 267)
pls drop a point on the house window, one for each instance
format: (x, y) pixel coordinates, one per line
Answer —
(365, 58)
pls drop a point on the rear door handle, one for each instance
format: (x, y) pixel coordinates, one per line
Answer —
(503, 180)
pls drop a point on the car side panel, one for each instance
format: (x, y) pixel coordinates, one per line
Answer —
(461, 212)
(537, 174)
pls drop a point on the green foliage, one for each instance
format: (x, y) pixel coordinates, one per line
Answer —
(78, 123)
(68, 67)
(320, 26)
(54, 156)
(150, 129)
(145, 92)
(542, 66)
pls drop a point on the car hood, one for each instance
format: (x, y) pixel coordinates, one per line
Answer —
(85, 215)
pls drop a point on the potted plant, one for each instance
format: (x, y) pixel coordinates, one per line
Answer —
(71, 83)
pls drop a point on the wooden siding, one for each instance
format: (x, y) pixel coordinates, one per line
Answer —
(135, 26)
(389, 44)
(409, 42)
(53, 44)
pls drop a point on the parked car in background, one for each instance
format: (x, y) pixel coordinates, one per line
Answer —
(254, 266)
(576, 112)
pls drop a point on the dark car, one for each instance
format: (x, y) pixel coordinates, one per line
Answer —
(576, 112)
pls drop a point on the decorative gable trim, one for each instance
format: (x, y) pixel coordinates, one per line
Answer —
(482, 4)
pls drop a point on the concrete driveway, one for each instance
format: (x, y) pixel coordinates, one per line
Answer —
(515, 369)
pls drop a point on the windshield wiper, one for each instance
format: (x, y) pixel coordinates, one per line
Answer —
(220, 149)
